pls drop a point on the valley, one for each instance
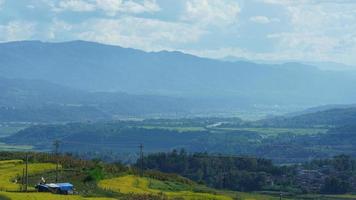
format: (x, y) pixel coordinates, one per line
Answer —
(169, 125)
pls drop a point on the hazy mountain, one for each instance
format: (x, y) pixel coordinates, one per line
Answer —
(96, 67)
(42, 101)
(320, 108)
(322, 65)
(332, 66)
(317, 117)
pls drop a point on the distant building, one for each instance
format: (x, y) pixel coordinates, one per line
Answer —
(310, 180)
(57, 188)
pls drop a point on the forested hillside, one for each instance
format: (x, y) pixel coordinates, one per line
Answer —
(325, 118)
(230, 136)
(328, 176)
(24, 100)
(96, 67)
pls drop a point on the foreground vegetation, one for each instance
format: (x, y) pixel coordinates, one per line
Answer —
(132, 184)
(43, 196)
(96, 180)
(11, 170)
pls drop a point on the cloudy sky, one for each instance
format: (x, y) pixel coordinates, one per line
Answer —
(308, 30)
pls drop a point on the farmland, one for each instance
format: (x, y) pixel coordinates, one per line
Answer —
(7, 129)
(214, 135)
(10, 172)
(43, 196)
(120, 186)
(103, 181)
(133, 184)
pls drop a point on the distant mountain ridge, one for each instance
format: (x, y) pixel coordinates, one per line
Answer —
(41, 101)
(327, 116)
(96, 67)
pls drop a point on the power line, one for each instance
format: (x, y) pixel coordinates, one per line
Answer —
(23, 179)
(26, 173)
(141, 155)
(56, 147)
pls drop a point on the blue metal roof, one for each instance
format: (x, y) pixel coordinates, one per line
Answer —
(64, 184)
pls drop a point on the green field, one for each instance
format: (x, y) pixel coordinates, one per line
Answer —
(6, 147)
(264, 131)
(279, 131)
(7, 129)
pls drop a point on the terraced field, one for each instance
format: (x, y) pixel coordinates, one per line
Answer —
(11, 170)
(136, 185)
(43, 196)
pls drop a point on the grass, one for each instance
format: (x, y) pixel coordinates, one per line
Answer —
(11, 170)
(330, 197)
(135, 185)
(168, 186)
(44, 196)
(253, 196)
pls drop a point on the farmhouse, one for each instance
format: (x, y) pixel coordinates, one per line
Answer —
(57, 188)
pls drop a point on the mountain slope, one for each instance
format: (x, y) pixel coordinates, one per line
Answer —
(96, 67)
(41, 101)
(331, 117)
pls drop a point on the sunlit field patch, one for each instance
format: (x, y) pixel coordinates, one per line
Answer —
(11, 171)
(136, 185)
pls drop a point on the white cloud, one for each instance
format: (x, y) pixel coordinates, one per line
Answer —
(211, 12)
(17, 30)
(147, 34)
(75, 5)
(319, 29)
(263, 19)
(58, 28)
(260, 19)
(315, 45)
(300, 2)
(109, 7)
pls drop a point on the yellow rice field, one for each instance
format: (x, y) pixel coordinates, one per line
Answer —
(45, 196)
(11, 169)
(136, 185)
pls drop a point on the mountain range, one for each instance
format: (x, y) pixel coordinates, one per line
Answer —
(42, 101)
(86, 74)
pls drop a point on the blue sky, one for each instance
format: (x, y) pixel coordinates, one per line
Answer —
(306, 30)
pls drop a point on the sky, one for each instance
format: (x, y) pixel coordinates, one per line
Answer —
(273, 30)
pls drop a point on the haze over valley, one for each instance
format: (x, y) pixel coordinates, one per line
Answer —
(177, 100)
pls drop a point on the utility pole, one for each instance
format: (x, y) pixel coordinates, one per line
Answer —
(23, 179)
(141, 159)
(56, 147)
(26, 173)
